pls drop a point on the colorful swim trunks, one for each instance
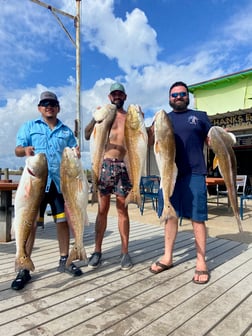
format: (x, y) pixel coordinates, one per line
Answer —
(114, 178)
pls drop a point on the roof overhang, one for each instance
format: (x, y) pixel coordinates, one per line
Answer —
(213, 83)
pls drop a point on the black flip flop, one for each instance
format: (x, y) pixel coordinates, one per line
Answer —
(201, 273)
(163, 267)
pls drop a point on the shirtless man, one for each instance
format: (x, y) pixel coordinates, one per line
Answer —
(114, 179)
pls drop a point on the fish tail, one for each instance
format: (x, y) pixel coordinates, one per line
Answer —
(133, 197)
(168, 212)
(24, 262)
(76, 253)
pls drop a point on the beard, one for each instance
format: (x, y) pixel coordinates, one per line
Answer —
(180, 104)
(118, 102)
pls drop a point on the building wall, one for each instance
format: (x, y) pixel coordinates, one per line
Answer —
(224, 97)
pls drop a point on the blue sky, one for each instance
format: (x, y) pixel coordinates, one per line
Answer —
(145, 44)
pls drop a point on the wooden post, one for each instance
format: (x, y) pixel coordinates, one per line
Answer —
(5, 215)
(6, 174)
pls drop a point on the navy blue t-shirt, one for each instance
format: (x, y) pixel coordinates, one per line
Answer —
(190, 130)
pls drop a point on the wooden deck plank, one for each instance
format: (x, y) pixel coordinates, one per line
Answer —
(217, 310)
(153, 302)
(109, 301)
(243, 310)
(178, 307)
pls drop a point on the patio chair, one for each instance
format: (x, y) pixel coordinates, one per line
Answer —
(149, 186)
(243, 198)
(241, 181)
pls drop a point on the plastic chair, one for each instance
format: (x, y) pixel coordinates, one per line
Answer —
(241, 181)
(149, 186)
(243, 198)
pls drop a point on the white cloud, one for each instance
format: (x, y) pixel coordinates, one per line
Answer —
(238, 28)
(132, 42)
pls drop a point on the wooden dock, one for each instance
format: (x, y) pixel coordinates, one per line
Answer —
(108, 301)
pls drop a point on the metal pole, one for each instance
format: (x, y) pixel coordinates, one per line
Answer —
(78, 74)
(53, 9)
(78, 65)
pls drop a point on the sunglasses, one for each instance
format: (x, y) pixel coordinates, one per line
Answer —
(176, 94)
(51, 103)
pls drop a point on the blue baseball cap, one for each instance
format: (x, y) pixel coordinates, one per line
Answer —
(117, 87)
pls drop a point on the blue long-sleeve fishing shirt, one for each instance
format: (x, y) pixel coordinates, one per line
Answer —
(38, 134)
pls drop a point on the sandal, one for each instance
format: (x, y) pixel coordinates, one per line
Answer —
(201, 273)
(162, 268)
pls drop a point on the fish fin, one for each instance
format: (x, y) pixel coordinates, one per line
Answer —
(28, 187)
(156, 147)
(67, 212)
(215, 162)
(175, 173)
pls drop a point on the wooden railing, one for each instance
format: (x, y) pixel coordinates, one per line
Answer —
(6, 173)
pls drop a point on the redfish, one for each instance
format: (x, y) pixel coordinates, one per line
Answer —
(222, 143)
(165, 151)
(28, 197)
(136, 140)
(104, 117)
(74, 187)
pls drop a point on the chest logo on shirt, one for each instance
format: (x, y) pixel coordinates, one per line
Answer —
(193, 120)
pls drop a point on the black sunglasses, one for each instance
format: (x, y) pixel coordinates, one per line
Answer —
(51, 103)
(176, 94)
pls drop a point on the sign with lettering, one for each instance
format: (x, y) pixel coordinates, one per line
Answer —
(233, 121)
(243, 141)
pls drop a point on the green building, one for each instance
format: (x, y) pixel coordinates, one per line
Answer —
(228, 102)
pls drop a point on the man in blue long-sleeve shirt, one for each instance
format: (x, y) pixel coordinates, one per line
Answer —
(50, 136)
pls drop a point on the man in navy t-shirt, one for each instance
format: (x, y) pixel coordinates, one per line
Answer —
(189, 198)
